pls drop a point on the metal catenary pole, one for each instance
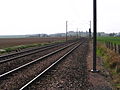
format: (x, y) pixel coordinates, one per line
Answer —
(66, 29)
(77, 33)
(94, 34)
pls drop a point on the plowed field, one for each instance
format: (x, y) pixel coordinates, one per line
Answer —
(8, 42)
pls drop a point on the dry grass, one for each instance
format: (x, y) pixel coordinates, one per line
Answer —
(111, 62)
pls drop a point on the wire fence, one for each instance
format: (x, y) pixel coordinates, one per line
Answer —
(113, 46)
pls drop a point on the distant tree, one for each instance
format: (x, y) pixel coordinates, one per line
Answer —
(99, 34)
(112, 34)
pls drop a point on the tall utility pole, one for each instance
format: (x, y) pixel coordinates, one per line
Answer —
(66, 29)
(94, 34)
(77, 32)
(90, 30)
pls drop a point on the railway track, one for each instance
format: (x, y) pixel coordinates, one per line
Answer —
(11, 64)
(35, 68)
(16, 55)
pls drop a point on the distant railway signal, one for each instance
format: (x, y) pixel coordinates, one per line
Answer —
(90, 30)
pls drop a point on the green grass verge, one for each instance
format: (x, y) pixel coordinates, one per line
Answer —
(101, 52)
(110, 62)
(110, 39)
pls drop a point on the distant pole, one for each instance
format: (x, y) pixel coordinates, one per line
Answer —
(94, 34)
(66, 29)
(90, 30)
(90, 24)
(86, 33)
(77, 32)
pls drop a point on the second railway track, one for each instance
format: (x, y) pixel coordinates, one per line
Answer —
(23, 53)
(23, 75)
(9, 65)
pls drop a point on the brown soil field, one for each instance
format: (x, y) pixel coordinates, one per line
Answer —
(9, 42)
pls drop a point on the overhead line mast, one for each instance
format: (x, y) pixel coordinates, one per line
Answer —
(66, 29)
(94, 35)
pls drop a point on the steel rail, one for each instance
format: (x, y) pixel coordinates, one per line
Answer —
(27, 64)
(25, 51)
(48, 68)
(15, 53)
(26, 54)
(13, 56)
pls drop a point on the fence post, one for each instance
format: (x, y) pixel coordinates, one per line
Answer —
(111, 46)
(106, 43)
(115, 47)
(119, 49)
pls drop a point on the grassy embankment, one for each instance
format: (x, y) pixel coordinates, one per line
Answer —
(19, 47)
(111, 59)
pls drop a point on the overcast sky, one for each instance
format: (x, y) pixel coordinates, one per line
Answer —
(49, 16)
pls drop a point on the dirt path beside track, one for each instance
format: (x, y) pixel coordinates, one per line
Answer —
(99, 81)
